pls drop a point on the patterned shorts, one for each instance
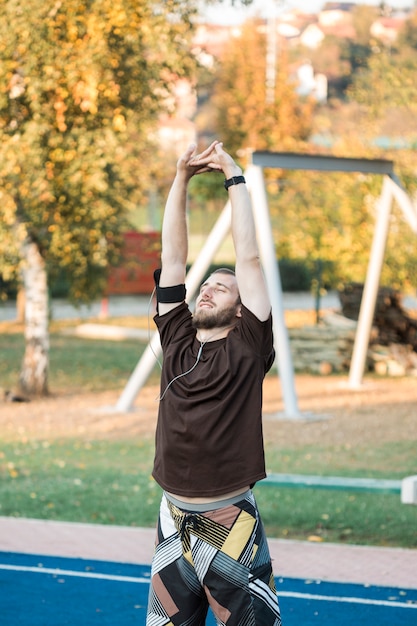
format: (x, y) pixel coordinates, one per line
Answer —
(218, 558)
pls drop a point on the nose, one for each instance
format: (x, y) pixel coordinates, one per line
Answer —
(206, 293)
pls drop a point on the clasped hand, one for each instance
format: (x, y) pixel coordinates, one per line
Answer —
(212, 159)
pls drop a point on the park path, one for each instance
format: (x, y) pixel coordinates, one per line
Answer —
(368, 565)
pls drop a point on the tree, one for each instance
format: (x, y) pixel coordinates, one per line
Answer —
(325, 218)
(82, 85)
(408, 36)
(329, 218)
(391, 74)
(245, 116)
(363, 16)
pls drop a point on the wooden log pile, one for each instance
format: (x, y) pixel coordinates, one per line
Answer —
(393, 360)
(393, 343)
(392, 323)
(327, 348)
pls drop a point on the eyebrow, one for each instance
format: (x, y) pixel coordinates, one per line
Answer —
(216, 283)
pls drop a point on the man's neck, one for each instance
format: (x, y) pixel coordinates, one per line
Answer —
(204, 335)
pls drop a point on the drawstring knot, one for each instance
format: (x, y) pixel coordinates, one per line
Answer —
(190, 522)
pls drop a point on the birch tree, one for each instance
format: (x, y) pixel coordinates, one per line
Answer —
(82, 83)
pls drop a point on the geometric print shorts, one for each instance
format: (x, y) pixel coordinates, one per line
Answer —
(218, 559)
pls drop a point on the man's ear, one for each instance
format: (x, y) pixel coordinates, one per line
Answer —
(239, 310)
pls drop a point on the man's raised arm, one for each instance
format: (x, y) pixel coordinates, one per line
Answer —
(249, 274)
(174, 226)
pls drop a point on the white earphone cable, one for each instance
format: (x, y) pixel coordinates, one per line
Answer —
(200, 350)
(149, 328)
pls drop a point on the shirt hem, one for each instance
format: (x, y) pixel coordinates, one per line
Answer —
(199, 493)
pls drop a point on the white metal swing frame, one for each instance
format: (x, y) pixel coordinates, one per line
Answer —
(391, 189)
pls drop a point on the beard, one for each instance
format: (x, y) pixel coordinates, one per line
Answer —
(213, 318)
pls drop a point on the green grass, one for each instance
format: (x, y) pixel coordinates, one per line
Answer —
(75, 363)
(369, 460)
(341, 516)
(109, 481)
(370, 519)
(78, 481)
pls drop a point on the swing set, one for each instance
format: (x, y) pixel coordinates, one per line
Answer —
(391, 190)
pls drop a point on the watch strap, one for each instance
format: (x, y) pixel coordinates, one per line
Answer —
(235, 180)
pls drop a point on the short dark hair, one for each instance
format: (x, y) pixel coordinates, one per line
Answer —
(224, 270)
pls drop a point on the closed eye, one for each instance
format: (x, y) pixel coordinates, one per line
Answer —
(219, 287)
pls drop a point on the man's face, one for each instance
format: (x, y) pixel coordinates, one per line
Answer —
(217, 304)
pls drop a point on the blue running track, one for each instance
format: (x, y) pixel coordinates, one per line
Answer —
(53, 591)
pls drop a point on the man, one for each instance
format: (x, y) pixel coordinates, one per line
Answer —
(211, 548)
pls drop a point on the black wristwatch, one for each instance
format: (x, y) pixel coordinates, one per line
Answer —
(235, 180)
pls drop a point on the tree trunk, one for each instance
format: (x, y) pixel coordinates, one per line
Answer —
(34, 373)
(20, 305)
